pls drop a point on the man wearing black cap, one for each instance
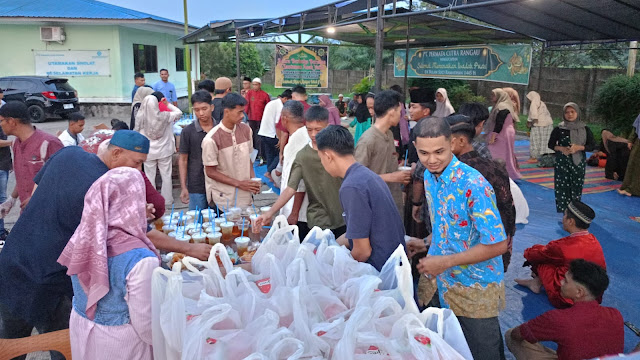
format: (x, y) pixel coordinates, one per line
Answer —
(34, 289)
(549, 263)
(462, 134)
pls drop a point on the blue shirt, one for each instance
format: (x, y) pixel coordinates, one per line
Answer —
(463, 214)
(32, 283)
(167, 89)
(370, 212)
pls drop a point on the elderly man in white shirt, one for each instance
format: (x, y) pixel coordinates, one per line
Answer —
(267, 132)
(73, 135)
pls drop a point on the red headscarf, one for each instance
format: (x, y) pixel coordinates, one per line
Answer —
(113, 222)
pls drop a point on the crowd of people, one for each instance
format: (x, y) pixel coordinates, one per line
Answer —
(439, 182)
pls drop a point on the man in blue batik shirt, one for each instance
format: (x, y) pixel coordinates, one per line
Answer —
(467, 242)
(166, 88)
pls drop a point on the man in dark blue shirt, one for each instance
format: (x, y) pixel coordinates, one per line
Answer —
(374, 226)
(34, 289)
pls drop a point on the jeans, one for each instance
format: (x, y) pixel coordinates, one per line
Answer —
(271, 152)
(198, 200)
(14, 327)
(4, 176)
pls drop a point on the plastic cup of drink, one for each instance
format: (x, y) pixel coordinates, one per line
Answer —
(183, 237)
(264, 209)
(404, 168)
(226, 228)
(214, 237)
(206, 225)
(199, 237)
(242, 244)
(219, 221)
(257, 179)
(192, 213)
(212, 229)
(253, 218)
(205, 216)
(169, 229)
(189, 228)
(234, 211)
(244, 228)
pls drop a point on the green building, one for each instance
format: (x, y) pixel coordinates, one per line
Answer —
(97, 46)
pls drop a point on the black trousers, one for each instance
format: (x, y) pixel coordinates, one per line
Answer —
(257, 144)
(14, 327)
(271, 152)
(303, 229)
(484, 337)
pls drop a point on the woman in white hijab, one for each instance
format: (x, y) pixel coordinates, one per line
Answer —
(541, 125)
(141, 93)
(158, 127)
(443, 106)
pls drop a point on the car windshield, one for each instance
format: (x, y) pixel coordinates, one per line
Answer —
(59, 85)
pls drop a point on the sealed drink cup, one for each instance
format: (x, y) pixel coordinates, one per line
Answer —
(214, 238)
(198, 237)
(234, 213)
(244, 228)
(212, 229)
(183, 237)
(169, 229)
(226, 228)
(219, 221)
(189, 228)
(404, 168)
(242, 244)
(257, 179)
(253, 218)
(264, 209)
(205, 215)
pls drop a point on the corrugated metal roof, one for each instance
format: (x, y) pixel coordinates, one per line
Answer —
(74, 9)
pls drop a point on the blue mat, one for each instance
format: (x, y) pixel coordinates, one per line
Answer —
(260, 171)
(620, 239)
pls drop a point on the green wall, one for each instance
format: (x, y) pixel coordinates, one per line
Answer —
(23, 40)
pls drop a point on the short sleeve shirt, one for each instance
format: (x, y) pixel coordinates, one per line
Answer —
(230, 151)
(584, 331)
(377, 151)
(29, 159)
(167, 89)
(370, 212)
(191, 145)
(322, 189)
(32, 282)
(463, 213)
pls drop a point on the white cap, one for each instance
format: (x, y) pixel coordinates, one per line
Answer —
(257, 80)
(340, 95)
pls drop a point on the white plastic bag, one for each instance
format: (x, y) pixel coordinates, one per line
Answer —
(281, 241)
(396, 276)
(167, 307)
(445, 323)
(316, 236)
(361, 342)
(359, 291)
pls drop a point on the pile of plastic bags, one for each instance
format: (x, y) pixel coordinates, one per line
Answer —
(301, 301)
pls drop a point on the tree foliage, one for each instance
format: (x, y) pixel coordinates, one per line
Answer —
(618, 102)
(219, 59)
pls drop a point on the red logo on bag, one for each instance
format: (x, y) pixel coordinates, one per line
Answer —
(373, 350)
(191, 317)
(264, 285)
(320, 333)
(211, 341)
(423, 340)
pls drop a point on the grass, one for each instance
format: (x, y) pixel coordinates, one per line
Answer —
(595, 128)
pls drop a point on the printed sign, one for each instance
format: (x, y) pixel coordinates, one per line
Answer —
(302, 65)
(504, 63)
(72, 63)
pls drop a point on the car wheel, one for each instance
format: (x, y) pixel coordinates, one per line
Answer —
(36, 113)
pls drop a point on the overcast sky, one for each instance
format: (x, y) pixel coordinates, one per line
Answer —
(203, 11)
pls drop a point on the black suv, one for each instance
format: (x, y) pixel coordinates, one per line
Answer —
(45, 96)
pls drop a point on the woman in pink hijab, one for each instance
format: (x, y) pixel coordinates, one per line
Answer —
(334, 114)
(110, 261)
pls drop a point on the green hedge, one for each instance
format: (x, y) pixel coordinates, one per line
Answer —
(618, 103)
